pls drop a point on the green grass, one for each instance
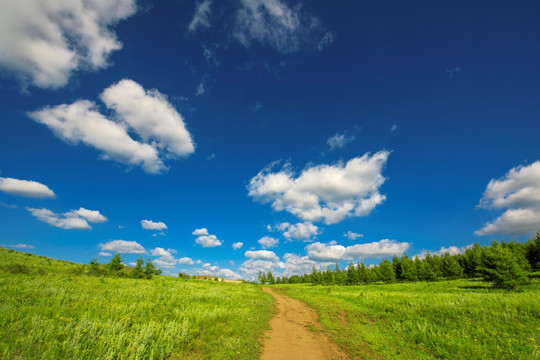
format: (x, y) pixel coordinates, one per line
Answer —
(443, 320)
(48, 312)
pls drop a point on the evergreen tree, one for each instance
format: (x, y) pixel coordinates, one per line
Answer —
(396, 263)
(363, 273)
(352, 275)
(116, 266)
(450, 267)
(150, 269)
(138, 271)
(387, 271)
(473, 260)
(532, 252)
(408, 269)
(501, 267)
(424, 270)
(94, 268)
(262, 278)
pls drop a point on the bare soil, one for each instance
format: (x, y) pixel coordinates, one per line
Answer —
(295, 333)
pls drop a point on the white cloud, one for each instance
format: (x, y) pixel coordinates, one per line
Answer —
(151, 225)
(262, 255)
(237, 245)
(328, 193)
(338, 141)
(26, 188)
(165, 262)
(123, 247)
(203, 231)
(44, 42)
(452, 250)
(201, 18)
(267, 242)
(150, 115)
(352, 235)
(251, 268)
(80, 122)
(325, 41)
(210, 270)
(300, 231)
(21, 246)
(272, 22)
(160, 252)
(74, 219)
(105, 254)
(147, 113)
(519, 192)
(205, 239)
(210, 56)
(393, 128)
(374, 250)
(186, 261)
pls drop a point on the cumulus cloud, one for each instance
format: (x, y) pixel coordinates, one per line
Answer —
(186, 261)
(335, 253)
(328, 193)
(262, 255)
(273, 22)
(237, 245)
(147, 113)
(338, 141)
(352, 235)
(452, 250)
(26, 188)
(151, 225)
(300, 231)
(123, 247)
(205, 239)
(267, 242)
(201, 18)
(203, 231)
(105, 254)
(44, 42)
(81, 122)
(210, 270)
(74, 219)
(150, 115)
(519, 192)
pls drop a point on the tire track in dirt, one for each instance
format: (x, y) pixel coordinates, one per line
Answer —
(295, 333)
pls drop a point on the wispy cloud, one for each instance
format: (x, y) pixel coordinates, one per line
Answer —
(201, 18)
(338, 141)
(352, 235)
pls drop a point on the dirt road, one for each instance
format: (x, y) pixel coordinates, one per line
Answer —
(296, 333)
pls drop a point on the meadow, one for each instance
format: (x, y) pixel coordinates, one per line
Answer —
(458, 319)
(50, 310)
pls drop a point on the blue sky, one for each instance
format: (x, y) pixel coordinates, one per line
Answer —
(231, 137)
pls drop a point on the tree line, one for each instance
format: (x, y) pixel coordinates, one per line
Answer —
(504, 264)
(116, 268)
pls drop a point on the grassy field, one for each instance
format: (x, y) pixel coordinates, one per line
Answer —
(49, 311)
(442, 320)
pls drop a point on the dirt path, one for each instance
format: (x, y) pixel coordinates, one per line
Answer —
(296, 333)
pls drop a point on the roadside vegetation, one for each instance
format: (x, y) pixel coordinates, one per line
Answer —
(52, 309)
(456, 319)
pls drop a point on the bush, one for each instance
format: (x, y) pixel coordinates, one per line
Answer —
(502, 268)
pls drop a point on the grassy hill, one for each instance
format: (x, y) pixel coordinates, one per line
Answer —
(49, 309)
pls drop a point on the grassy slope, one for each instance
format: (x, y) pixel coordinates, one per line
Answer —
(50, 313)
(451, 320)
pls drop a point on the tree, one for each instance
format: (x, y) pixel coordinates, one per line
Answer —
(501, 267)
(424, 270)
(473, 260)
(532, 252)
(270, 278)
(408, 269)
(138, 272)
(396, 263)
(387, 271)
(150, 269)
(94, 268)
(352, 275)
(116, 266)
(262, 277)
(450, 267)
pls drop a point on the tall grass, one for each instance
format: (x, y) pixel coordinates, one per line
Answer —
(450, 320)
(81, 317)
